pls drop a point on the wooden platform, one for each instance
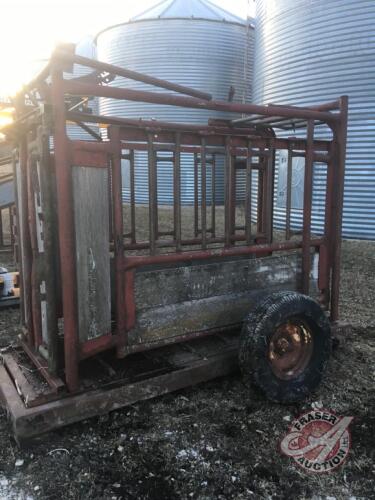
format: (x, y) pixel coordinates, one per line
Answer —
(109, 384)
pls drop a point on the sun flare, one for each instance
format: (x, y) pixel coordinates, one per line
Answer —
(29, 30)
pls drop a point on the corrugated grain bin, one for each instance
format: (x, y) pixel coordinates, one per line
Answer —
(310, 51)
(193, 43)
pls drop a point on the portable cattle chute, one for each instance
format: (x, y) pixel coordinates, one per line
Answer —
(120, 301)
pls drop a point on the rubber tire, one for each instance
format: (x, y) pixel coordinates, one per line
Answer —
(257, 330)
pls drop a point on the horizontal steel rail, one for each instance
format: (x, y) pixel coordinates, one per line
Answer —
(84, 89)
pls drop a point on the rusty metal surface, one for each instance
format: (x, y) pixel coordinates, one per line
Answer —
(291, 348)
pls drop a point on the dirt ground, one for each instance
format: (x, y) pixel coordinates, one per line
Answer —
(214, 441)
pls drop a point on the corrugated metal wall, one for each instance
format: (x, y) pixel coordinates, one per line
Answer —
(311, 51)
(208, 55)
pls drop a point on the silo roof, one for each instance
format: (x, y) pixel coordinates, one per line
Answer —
(199, 9)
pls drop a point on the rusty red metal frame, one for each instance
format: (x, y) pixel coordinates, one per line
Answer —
(239, 146)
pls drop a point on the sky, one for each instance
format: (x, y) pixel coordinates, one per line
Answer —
(29, 29)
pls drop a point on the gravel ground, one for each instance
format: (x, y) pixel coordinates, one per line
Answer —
(214, 441)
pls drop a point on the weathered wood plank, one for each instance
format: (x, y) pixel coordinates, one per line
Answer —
(91, 219)
(198, 315)
(178, 301)
(179, 284)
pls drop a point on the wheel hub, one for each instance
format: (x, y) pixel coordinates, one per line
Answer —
(290, 349)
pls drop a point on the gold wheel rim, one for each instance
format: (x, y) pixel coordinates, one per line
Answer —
(290, 349)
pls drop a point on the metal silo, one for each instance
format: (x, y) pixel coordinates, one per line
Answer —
(311, 51)
(193, 43)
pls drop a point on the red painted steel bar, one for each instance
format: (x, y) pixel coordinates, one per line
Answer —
(118, 231)
(327, 106)
(186, 242)
(66, 233)
(288, 207)
(157, 126)
(227, 191)
(232, 195)
(98, 345)
(325, 262)
(269, 192)
(307, 206)
(83, 89)
(260, 198)
(132, 75)
(340, 131)
(248, 199)
(177, 193)
(134, 262)
(203, 194)
(132, 196)
(92, 147)
(153, 195)
(196, 195)
(213, 196)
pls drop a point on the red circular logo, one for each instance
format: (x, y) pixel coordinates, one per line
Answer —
(318, 441)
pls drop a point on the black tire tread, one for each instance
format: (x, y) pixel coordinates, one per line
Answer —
(253, 341)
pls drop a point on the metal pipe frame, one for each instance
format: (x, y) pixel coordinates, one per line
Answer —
(204, 142)
(66, 232)
(82, 89)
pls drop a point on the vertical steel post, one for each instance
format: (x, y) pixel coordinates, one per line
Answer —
(307, 203)
(132, 197)
(341, 134)
(232, 199)
(326, 249)
(213, 197)
(269, 190)
(289, 192)
(248, 199)
(260, 194)
(153, 196)
(177, 192)
(227, 196)
(203, 194)
(66, 231)
(118, 231)
(196, 196)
